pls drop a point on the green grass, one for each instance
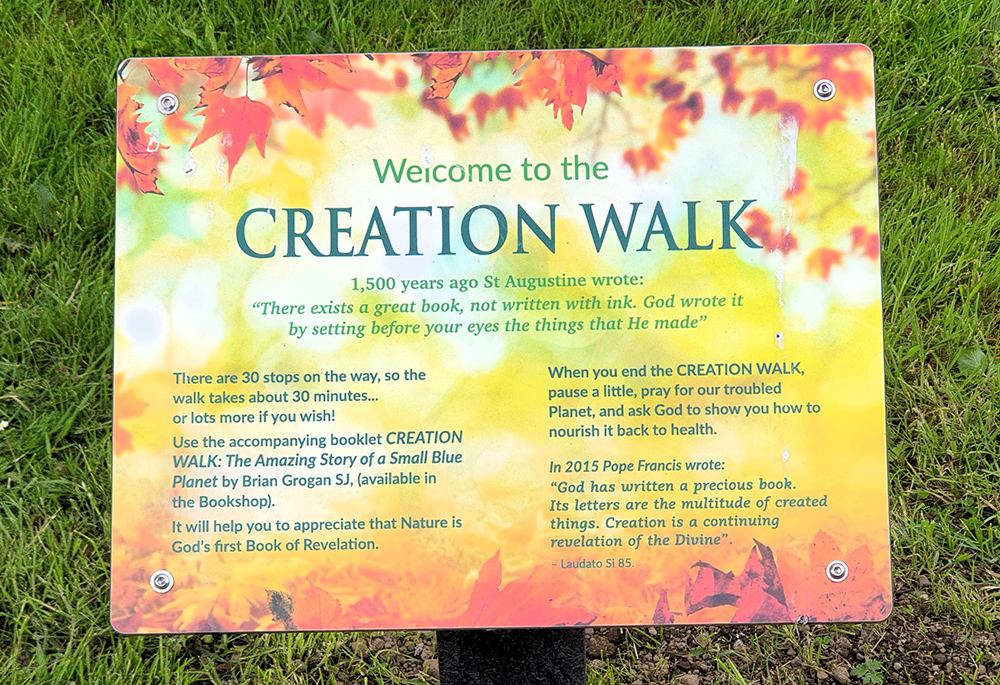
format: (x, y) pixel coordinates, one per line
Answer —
(938, 102)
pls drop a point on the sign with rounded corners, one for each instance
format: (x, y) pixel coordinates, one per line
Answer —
(504, 339)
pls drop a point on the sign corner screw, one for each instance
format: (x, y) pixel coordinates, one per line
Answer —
(837, 571)
(167, 103)
(162, 581)
(824, 89)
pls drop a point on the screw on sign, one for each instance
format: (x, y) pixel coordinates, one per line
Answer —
(824, 89)
(837, 571)
(161, 581)
(167, 103)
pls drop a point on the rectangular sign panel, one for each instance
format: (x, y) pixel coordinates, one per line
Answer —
(495, 339)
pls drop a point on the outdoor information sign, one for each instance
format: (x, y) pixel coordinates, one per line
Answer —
(500, 339)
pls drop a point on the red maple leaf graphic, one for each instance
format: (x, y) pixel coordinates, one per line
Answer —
(237, 120)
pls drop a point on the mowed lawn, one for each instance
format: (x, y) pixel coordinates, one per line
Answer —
(938, 89)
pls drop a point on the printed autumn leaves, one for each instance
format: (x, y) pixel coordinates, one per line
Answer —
(797, 591)
(236, 112)
(219, 91)
(128, 405)
(558, 79)
(767, 591)
(526, 601)
(140, 151)
(775, 81)
(223, 99)
(763, 593)
(745, 84)
(821, 261)
(236, 119)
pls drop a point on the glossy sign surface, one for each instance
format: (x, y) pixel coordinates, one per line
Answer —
(498, 339)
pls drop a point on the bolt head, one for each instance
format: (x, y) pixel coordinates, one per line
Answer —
(837, 571)
(167, 103)
(161, 581)
(824, 89)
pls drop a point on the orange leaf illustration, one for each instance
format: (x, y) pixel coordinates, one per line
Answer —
(564, 81)
(635, 69)
(822, 259)
(285, 78)
(766, 100)
(481, 106)
(865, 242)
(813, 595)
(710, 587)
(669, 89)
(761, 594)
(127, 406)
(366, 609)
(444, 70)
(345, 106)
(759, 228)
(675, 119)
(316, 609)
(846, 65)
(728, 72)
(485, 590)
(167, 75)
(138, 149)
(835, 64)
(762, 597)
(457, 123)
(509, 99)
(686, 60)
(237, 120)
(731, 99)
(645, 158)
(342, 99)
(662, 613)
(774, 54)
(218, 72)
(758, 593)
(523, 602)
(799, 185)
